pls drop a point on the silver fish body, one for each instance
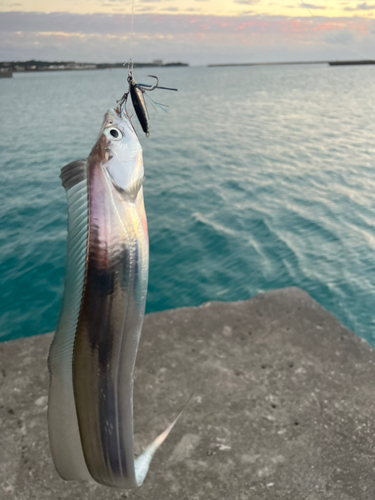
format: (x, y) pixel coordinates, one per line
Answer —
(93, 353)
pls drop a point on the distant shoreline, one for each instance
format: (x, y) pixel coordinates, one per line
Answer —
(38, 66)
(7, 68)
(331, 63)
(265, 64)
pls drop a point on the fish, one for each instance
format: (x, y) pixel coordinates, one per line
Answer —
(92, 355)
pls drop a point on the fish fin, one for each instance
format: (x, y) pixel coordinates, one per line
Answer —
(142, 462)
(64, 434)
(73, 173)
(130, 193)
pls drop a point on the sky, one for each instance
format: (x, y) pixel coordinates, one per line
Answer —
(198, 32)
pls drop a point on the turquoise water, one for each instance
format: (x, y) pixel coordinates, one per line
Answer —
(257, 178)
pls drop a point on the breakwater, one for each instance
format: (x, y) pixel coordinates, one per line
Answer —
(282, 406)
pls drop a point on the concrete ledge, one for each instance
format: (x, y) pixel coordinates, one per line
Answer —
(283, 407)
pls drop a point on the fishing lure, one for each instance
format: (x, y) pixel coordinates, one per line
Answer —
(137, 92)
(92, 356)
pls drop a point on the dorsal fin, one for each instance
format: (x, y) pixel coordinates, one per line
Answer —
(73, 173)
(62, 416)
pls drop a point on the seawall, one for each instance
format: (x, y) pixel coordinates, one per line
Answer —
(283, 407)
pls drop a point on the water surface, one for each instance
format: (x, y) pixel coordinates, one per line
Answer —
(257, 178)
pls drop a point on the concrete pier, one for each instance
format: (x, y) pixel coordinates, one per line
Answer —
(283, 407)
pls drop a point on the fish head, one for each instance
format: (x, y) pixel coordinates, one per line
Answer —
(119, 150)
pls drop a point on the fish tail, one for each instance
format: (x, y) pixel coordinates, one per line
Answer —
(142, 462)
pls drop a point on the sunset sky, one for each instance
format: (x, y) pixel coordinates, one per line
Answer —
(193, 31)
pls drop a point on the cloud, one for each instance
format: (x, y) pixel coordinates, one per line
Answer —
(146, 8)
(246, 2)
(365, 6)
(335, 37)
(360, 6)
(311, 6)
(190, 38)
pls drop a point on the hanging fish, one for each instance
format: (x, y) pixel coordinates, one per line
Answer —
(92, 356)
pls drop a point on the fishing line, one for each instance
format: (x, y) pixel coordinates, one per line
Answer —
(137, 91)
(132, 36)
(333, 38)
(129, 62)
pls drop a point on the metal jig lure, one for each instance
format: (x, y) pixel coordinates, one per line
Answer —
(136, 92)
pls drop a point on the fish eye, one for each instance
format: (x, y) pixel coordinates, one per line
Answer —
(115, 133)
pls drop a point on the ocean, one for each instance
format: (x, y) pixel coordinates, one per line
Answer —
(257, 178)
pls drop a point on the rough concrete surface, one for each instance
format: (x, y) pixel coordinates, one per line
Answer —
(283, 407)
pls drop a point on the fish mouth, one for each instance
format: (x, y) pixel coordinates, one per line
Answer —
(110, 118)
(115, 116)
